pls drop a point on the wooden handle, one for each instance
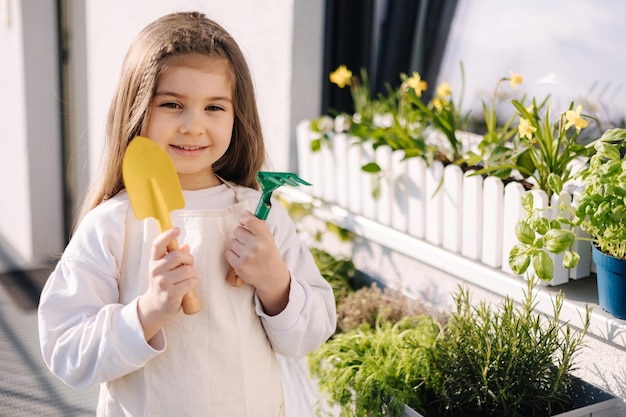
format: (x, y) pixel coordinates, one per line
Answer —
(233, 279)
(191, 302)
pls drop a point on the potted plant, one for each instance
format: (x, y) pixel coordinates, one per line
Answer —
(507, 361)
(404, 121)
(401, 119)
(540, 147)
(600, 211)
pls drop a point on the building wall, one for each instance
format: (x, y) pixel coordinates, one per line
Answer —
(31, 223)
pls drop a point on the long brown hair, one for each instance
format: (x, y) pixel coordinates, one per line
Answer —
(178, 34)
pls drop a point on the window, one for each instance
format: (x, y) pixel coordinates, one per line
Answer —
(385, 37)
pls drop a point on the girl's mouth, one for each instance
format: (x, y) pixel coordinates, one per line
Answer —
(188, 150)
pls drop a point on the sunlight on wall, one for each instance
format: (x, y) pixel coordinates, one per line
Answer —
(573, 50)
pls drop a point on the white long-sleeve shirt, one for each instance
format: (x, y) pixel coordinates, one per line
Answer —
(89, 327)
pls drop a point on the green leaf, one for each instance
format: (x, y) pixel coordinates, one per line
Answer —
(618, 213)
(557, 240)
(570, 259)
(527, 201)
(371, 167)
(525, 234)
(607, 150)
(525, 161)
(543, 265)
(541, 225)
(316, 145)
(555, 183)
(518, 260)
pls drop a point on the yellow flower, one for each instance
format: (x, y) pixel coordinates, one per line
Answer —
(417, 84)
(342, 76)
(444, 90)
(515, 80)
(526, 129)
(573, 119)
(439, 103)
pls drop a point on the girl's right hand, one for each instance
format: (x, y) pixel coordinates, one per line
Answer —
(172, 275)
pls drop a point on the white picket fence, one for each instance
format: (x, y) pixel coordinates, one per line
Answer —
(464, 214)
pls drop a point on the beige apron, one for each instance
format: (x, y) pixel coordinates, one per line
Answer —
(219, 361)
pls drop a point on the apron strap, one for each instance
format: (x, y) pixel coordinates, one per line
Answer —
(238, 193)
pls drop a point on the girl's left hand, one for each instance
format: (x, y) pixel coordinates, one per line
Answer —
(254, 256)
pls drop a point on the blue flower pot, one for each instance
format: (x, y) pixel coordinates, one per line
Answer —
(611, 274)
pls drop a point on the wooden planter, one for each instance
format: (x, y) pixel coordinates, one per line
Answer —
(445, 207)
(588, 401)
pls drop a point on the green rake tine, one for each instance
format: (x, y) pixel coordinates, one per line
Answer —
(270, 181)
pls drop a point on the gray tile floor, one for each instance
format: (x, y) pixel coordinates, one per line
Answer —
(27, 388)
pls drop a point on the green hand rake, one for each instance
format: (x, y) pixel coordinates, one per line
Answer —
(270, 182)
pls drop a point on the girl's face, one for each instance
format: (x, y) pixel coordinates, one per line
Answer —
(192, 116)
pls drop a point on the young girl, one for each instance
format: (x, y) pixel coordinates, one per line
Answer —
(110, 312)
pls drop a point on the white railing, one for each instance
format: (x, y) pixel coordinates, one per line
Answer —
(461, 213)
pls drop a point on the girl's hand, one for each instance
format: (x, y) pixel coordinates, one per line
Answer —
(172, 275)
(254, 256)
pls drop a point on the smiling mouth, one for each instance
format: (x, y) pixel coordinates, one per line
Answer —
(188, 148)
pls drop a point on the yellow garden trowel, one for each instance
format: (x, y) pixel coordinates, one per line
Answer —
(154, 191)
(270, 182)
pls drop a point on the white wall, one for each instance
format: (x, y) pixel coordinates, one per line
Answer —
(570, 49)
(31, 228)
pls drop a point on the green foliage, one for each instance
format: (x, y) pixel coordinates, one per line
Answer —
(547, 150)
(504, 362)
(300, 211)
(600, 211)
(397, 119)
(375, 371)
(443, 115)
(601, 207)
(528, 147)
(339, 272)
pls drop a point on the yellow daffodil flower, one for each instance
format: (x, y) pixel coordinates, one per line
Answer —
(444, 90)
(573, 119)
(438, 103)
(515, 80)
(417, 84)
(526, 129)
(342, 76)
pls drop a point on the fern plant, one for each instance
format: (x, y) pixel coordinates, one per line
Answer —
(375, 371)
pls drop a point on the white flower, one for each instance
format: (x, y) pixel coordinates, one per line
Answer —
(326, 124)
(342, 123)
(384, 121)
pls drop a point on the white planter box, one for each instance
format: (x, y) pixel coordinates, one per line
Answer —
(443, 206)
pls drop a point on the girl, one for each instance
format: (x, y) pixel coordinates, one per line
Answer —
(110, 312)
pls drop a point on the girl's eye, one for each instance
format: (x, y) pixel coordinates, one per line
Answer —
(170, 105)
(214, 108)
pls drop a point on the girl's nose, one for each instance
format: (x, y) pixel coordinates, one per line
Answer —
(192, 123)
